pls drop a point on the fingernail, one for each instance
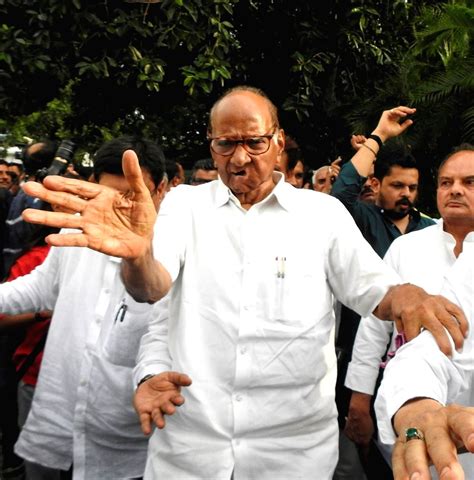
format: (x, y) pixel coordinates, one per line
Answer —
(415, 476)
(459, 349)
(446, 471)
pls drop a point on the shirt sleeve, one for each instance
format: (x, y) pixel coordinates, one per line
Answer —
(358, 276)
(172, 230)
(153, 355)
(372, 339)
(420, 369)
(35, 291)
(370, 345)
(347, 186)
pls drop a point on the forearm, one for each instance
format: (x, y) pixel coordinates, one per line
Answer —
(370, 344)
(145, 278)
(367, 154)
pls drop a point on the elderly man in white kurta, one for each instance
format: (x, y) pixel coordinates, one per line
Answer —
(250, 310)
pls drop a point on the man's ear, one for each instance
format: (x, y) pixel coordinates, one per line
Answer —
(280, 141)
(162, 188)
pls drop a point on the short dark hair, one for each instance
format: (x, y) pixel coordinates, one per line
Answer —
(393, 156)
(204, 164)
(171, 168)
(463, 147)
(246, 88)
(108, 159)
(41, 158)
(3, 162)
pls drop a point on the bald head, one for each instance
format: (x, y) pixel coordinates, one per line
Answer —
(248, 91)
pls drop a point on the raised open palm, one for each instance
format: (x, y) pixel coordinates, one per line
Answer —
(110, 222)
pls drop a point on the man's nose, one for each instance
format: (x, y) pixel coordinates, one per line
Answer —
(240, 156)
(456, 188)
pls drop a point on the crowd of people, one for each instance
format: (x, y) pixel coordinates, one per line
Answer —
(258, 320)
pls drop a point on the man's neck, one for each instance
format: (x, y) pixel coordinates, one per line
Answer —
(401, 223)
(459, 231)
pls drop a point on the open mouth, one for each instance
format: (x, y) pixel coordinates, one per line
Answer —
(240, 173)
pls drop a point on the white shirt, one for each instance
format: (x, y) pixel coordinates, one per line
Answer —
(422, 257)
(252, 323)
(420, 369)
(82, 409)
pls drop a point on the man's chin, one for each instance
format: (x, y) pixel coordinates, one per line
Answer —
(367, 197)
(398, 213)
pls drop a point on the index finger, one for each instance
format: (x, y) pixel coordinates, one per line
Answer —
(63, 198)
(55, 183)
(458, 314)
(398, 461)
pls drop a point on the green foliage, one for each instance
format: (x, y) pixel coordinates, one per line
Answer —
(94, 70)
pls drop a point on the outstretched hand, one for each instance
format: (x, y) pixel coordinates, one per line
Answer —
(111, 222)
(413, 309)
(446, 430)
(159, 396)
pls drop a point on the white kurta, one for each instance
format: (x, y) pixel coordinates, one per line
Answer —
(422, 258)
(419, 369)
(82, 409)
(252, 323)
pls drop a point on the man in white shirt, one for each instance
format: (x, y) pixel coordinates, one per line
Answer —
(439, 258)
(242, 318)
(82, 410)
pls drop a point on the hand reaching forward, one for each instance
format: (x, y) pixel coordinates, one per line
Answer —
(111, 222)
(446, 430)
(413, 309)
(159, 396)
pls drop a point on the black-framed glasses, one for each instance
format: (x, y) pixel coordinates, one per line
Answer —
(255, 145)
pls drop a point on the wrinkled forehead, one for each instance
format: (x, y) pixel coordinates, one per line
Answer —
(460, 163)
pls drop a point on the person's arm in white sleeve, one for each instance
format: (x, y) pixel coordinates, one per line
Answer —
(34, 292)
(372, 339)
(158, 390)
(370, 345)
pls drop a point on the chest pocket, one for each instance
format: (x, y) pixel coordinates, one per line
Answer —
(297, 291)
(129, 325)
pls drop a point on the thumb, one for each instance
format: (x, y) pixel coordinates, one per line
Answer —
(132, 171)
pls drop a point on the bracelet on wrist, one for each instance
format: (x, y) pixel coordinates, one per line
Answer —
(370, 148)
(145, 378)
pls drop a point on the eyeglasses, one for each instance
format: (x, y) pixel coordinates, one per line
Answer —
(255, 145)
